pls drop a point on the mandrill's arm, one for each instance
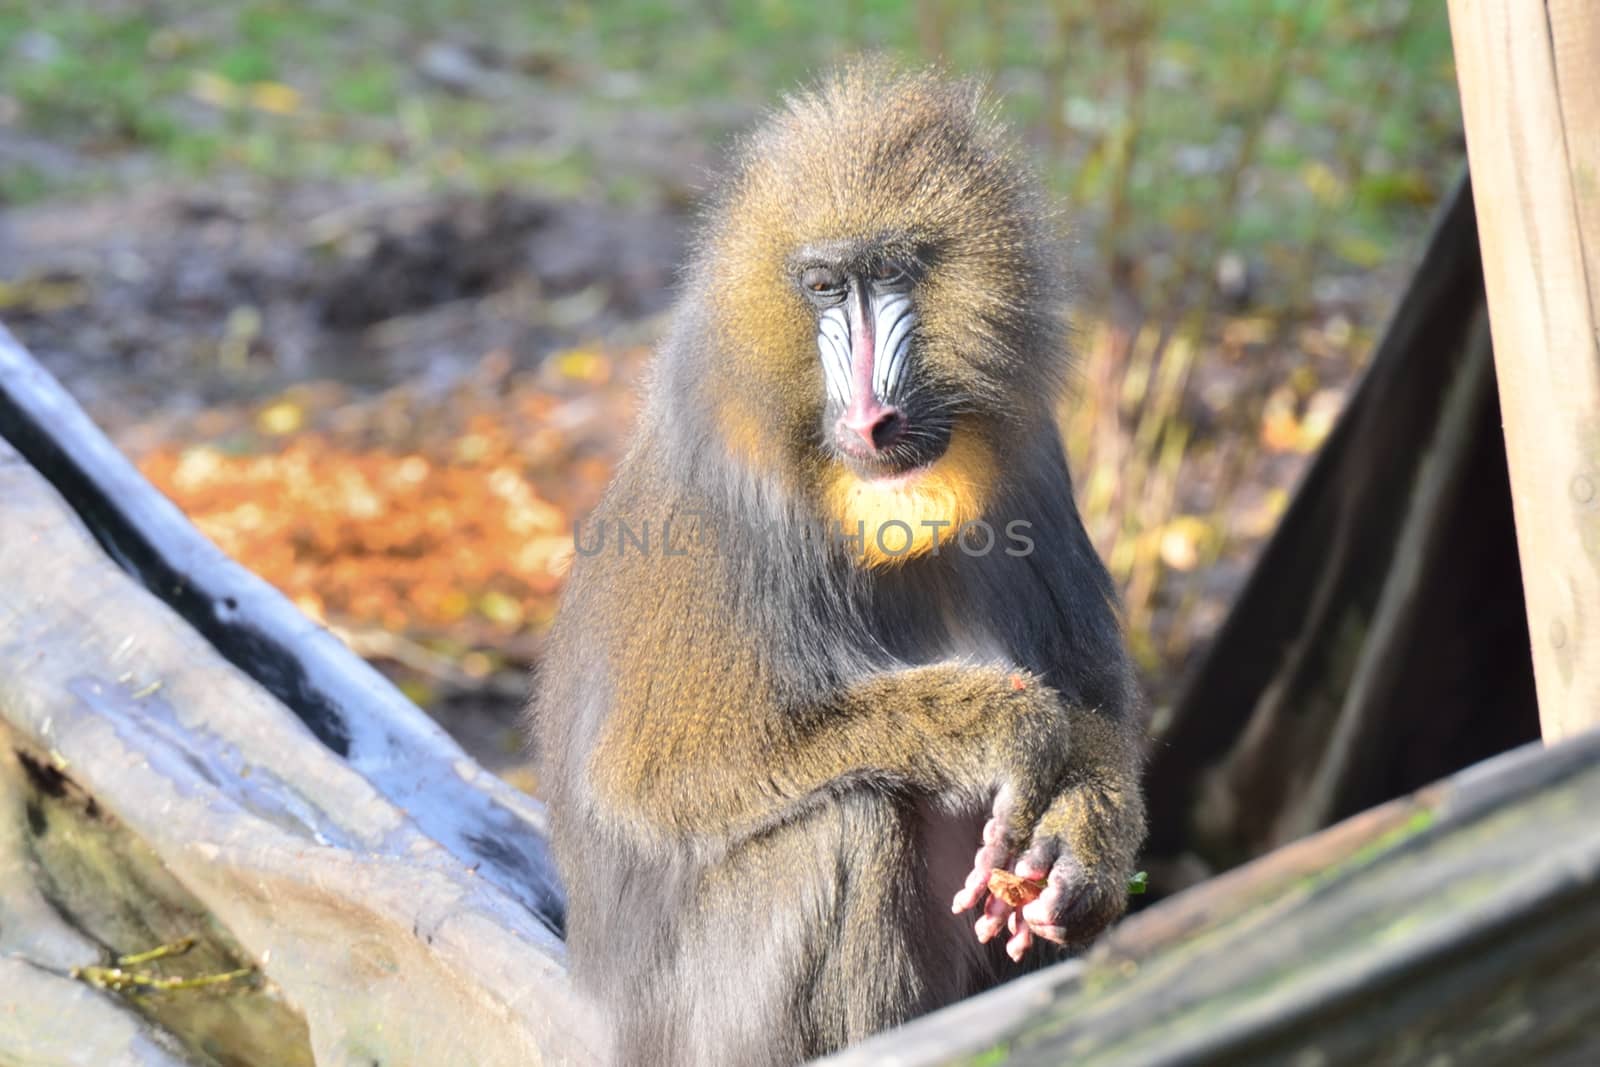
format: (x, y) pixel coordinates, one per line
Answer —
(1064, 781)
(939, 730)
(952, 730)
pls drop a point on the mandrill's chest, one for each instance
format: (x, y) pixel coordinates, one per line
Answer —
(926, 612)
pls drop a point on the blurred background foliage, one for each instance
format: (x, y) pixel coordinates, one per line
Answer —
(366, 287)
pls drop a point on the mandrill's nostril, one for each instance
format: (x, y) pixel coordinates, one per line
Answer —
(877, 428)
(887, 430)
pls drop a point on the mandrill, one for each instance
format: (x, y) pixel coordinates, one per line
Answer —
(835, 645)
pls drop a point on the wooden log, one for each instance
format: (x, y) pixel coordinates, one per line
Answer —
(1530, 94)
(332, 906)
(347, 704)
(1460, 925)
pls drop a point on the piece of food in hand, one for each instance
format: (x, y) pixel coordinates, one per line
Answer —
(1014, 889)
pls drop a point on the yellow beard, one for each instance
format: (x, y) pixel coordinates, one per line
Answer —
(954, 490)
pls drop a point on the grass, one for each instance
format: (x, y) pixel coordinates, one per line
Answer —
(1143, 102)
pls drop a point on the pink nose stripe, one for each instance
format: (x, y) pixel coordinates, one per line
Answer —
(864, 407)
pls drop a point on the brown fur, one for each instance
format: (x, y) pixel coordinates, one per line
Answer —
(766, 763)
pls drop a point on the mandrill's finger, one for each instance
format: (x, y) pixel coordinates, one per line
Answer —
(993, 919)
(1032, 866)
(1041, 916)
(1042, 857)
(1063, 913)
(1019, 944)
(990, 855)
(972, 892)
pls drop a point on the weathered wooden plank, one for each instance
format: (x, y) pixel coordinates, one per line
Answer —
(1530, 95)
(157, 792)
(347, 704)
(1380, 643)
(1461, 926)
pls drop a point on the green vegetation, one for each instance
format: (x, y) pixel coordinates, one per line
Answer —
(1142, 112)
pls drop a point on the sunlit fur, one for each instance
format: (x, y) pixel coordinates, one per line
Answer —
(892, 522)
(768, 765)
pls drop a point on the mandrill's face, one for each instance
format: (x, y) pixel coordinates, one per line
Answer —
(892, 426)
(884, 306)
(880, 418)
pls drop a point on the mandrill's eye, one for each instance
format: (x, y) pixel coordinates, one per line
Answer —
(822, 284)
(889, 272)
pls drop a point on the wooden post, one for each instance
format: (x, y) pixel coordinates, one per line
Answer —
(1530, 93)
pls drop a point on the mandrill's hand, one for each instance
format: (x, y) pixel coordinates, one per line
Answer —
(1078, 859)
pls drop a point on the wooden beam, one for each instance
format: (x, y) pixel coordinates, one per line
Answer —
(152, 793)
(351, 708)
(1530, 93)
(1357, 616)
(184, 757)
